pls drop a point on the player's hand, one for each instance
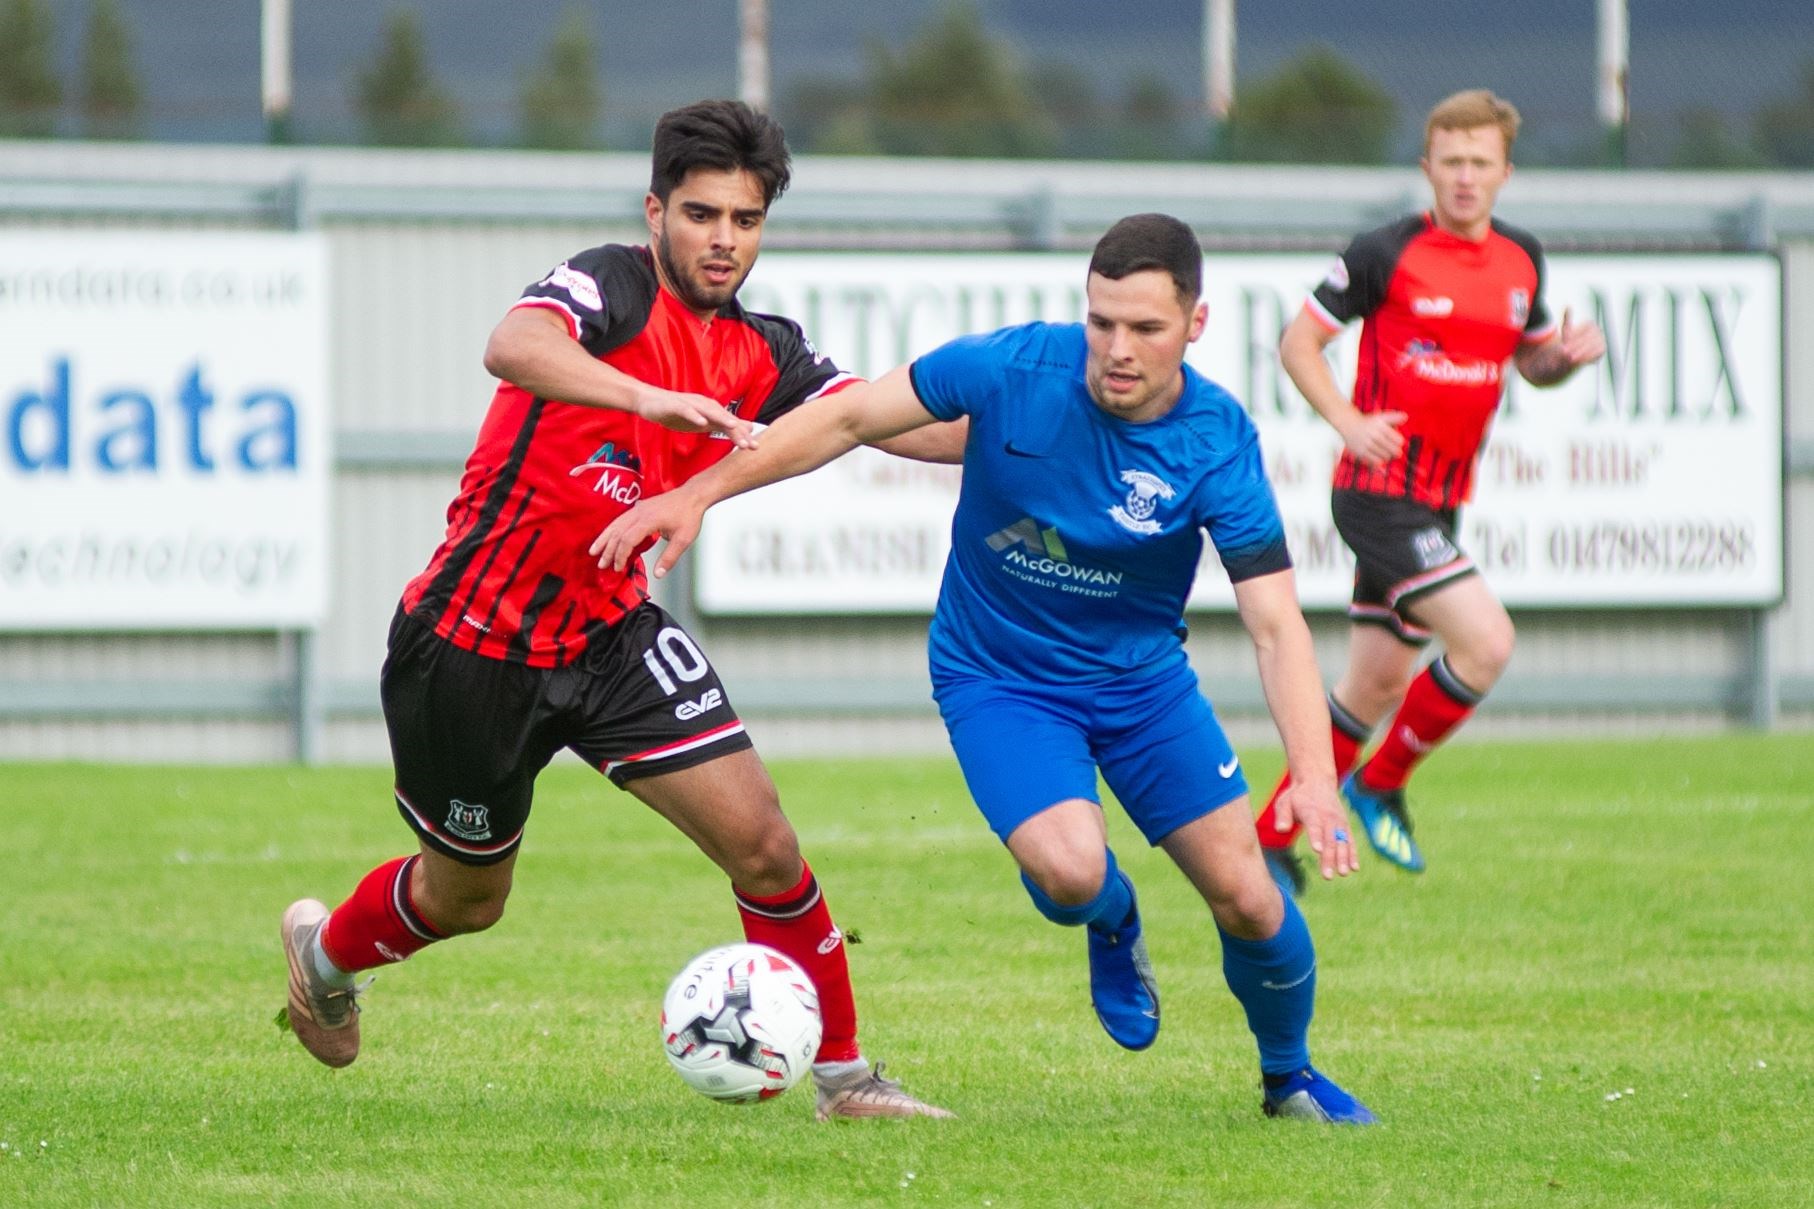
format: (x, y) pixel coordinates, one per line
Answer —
(1373, 437)
(672, 516)
(1319, 809)
(694, 413)
(1580, 343)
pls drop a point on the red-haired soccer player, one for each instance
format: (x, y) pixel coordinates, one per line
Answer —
(1446, 298)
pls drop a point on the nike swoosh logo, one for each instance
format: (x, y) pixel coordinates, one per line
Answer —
(1286, 986)
(1020, 453)
(1228, 770)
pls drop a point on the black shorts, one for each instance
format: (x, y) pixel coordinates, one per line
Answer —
(469, 733)
(1402, 550)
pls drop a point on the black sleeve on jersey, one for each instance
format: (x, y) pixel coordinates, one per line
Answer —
(804, 370)
(1356, 287)
(1539, 316)
(1262, 560)
(609, 290)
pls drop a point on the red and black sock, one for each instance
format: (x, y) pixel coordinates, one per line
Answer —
(1436, 703)
(798, 924)
(1347, 734)
(378, 924)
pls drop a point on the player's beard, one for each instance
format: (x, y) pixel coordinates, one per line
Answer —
(695, 296)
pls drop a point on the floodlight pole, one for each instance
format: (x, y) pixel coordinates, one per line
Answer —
(274, 63)
(1218, 70)
(1219, 58)
(752, 54)
(1612, 100)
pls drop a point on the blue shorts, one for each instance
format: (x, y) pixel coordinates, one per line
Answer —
(1024, 747)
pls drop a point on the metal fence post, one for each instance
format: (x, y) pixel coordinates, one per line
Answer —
(307, 708)
(1762, 695)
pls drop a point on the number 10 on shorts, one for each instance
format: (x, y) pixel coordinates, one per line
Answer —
(675, 649)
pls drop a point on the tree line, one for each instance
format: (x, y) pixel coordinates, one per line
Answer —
(397, 98)
(952, 89)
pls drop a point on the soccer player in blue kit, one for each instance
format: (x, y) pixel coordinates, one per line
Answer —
(1095, 461)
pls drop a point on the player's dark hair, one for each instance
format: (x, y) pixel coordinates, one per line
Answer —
(1152, 241)
(724, 135)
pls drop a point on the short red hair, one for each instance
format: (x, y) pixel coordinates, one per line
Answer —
(1471, 110)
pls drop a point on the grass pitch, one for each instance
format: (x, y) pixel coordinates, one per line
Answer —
(1598, 995)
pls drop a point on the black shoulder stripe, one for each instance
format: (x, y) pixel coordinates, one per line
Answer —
(801, 369)
(1524, 239)
(626, 277)
(1369, 261)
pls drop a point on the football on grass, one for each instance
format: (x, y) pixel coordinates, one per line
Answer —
(741, 1023)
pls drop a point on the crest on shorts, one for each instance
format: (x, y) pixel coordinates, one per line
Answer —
(467, 821)
(1135, 513)
(1433, 548)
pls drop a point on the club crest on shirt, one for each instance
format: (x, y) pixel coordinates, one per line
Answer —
(467, 821)
(1521, 307)
(731, 407)
(1135, 513)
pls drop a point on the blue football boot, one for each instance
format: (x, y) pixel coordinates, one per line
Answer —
(1122, 989)
(1309, 1096)
(1385, 822)
(1287, 870)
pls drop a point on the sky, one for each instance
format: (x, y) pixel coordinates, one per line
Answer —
(199, 59)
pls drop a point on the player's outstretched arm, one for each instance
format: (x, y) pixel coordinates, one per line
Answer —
(1573, 345)
(943, 443)
(1372, 437)
(804, 439)
(1294, 695)
(534, 348)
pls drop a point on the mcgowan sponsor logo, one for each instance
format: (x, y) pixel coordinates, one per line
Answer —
(1037, 555)
(1058, 568)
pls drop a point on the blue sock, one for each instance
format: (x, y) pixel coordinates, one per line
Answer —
(1108, 910)
(1275, 980)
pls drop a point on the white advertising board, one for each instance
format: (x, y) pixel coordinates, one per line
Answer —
(164, 431)
(1652, 478)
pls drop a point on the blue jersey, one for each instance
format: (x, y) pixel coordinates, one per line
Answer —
(1077, 534)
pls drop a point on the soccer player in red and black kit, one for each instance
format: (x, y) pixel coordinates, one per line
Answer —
(623, 372)
(1446, 299)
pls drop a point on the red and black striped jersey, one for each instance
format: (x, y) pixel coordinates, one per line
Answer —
(1442, 316)
(512, 578)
